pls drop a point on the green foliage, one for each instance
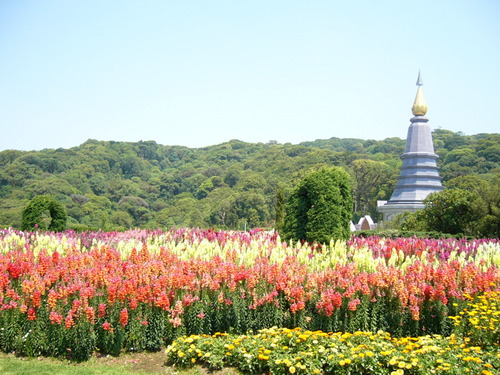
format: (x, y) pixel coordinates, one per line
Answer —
(33, 214)
(474, 212)
(399, 233)
(320, 207)
(373, 180)
(280, 210)
(117, 185)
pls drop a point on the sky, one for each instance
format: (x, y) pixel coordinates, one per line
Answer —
(200, 73)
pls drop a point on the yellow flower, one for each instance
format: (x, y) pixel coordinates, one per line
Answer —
(292, 369)
(393, 361)
(345, 362)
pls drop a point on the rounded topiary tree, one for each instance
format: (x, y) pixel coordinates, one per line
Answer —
(41, 205)
(321, 207)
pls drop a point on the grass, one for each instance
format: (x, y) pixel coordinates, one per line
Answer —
(126, 364)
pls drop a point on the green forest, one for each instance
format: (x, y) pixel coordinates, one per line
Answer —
(234, 185)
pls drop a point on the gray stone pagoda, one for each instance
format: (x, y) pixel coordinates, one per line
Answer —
(419, 174)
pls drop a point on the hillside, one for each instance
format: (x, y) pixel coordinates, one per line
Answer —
(117, 185)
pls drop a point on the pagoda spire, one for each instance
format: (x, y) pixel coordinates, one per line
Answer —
(419, 107)
(419, 80)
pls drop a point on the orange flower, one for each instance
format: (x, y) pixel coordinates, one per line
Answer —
(123, 317)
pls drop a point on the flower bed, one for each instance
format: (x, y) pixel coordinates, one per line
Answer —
(68, 294)
(290, 351)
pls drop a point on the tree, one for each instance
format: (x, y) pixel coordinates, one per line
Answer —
(320, 208)
(280, 209)
(450, 211)
(372, 178)
(42, 207)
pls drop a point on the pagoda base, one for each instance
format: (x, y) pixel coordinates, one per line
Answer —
(389, 211)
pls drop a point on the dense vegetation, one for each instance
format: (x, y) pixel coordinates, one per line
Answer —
(116, 185)
(320, 207)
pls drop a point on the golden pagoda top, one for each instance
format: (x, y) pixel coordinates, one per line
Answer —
(419, 107)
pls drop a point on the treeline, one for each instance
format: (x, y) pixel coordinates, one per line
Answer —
(117, 185)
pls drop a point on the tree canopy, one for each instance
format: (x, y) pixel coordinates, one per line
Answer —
(115, 185)
(320, 208)
(44, 213)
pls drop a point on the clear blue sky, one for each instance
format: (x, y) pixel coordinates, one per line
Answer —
(199, 73)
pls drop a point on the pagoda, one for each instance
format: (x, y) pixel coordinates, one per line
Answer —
(419, 174)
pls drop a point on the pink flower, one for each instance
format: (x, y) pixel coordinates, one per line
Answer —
(176, 322)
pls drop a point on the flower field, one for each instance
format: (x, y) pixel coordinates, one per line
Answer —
(70, 294)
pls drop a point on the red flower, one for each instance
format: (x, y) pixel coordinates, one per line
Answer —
(101, 310)
(55, 318)
(14, 270)
(31, 313)
(107, 327)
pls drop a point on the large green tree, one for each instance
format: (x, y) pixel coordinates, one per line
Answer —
(452, 211)
(373, 180)
(44, 212)
(321, 207)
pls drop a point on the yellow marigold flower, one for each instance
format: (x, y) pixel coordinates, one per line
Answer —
(393, 361)
(193, 360)
(292, 369)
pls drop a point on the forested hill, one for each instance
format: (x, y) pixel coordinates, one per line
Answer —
(116, 185)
